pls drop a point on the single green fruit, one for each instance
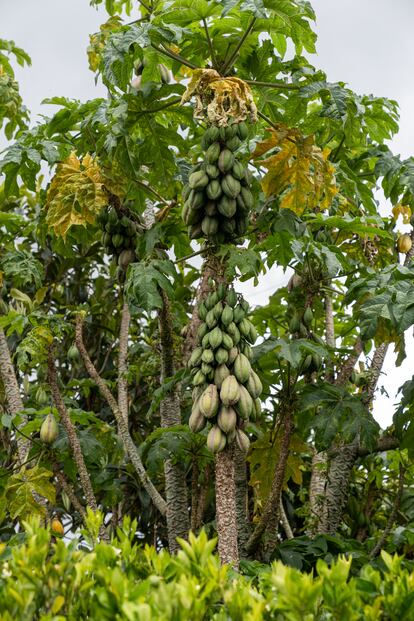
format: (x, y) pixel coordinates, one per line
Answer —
(49, 430)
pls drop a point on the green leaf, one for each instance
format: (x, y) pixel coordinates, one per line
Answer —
(144, 282)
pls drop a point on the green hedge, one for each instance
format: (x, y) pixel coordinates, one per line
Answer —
(47, 580)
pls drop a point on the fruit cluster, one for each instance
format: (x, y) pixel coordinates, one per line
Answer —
(217, 197)
(119, 235)
(300, 327)
(226, 389)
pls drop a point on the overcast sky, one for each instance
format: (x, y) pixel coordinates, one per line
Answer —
(366, 43)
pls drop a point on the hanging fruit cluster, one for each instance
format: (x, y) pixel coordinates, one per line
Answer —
(217, 197)
(119, 235)
(226, 388)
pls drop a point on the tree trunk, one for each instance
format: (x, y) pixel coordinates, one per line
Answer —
(13, 398)
(226, 512)
(178, 520)
(317, 491)
(242, 509)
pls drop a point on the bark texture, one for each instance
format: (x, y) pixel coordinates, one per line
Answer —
(13, 398)
(285, 522)
(122, 361)
(226, 515)
(242, 509)
(317, 491)
(178, 520)
(127, 442)
(345, 373)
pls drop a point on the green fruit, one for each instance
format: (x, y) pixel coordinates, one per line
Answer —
(254, 385)
(294, 324)
(233, 353)
(307, 362)
(303, 331)
(227, 206)
(238, 314)
(245, 306)
(212, 171)
(212, 134)
(222, 355)
(215, 338)
(197, 392)
(196, 200)
(233, 144)
(205, 341)
(195, 231)
(198, 180)
(199, 378)
(125, 258)
(242, 225)
(191, 215)
(211, 209)
(242, 368)
(227, 315)
(227, 419)
(221, 290)
(73, 353)
(216, 440)
(227, 342)
(211, 300)
(230, 131)
(207, 370)
(222, 133)
(202, 311)
(218, 309)
(252, 334)
(234, 332)
(117, 240)
(244, 327)
(242, 130)
(220, 375)
(112, 216)
(308, 317)
(202, 331)
(231, 298)
(106, 239)
(238, 170)
(247, 197)
(316, 362)
(207, 356)
(225, 160)
(211, 320)
(244, 405)
(230, 391)
(49, 429)
(186, 191)
(228, 227)
(212, 153)
(209, 226)
(197, 421)
(230, 186)
(214, 189)
(258, 407)
(242, 441)
(41, 395)
(195, 358)
(246, 350)
(209, 401)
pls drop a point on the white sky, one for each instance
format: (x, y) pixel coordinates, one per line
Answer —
(366, 43)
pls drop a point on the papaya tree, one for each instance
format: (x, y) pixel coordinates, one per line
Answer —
(135, 377)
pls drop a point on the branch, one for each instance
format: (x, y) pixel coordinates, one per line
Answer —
(375, 372)
(127, 441)
(346, 370)
(210, 44)
(285, 522)
(168, 104)
(11, 389)
(167, 52)
(278, 85)
(387, 443)
(377, 548)
(233, 57)
(122, 361)
(151, 190)
(68, 489)
(329, 335)
(273, 502)
(70, 430)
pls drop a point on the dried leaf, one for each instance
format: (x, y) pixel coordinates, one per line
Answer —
(402, 210)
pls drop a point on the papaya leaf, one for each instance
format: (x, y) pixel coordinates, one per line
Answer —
(21, 488)
(144, 282)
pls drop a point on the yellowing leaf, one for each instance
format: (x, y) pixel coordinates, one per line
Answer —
(299, 172)
(220, 99)
(98, 40)
(76, 194)
(402, 210)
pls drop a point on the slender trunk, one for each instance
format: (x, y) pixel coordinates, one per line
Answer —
(329, 336)
(178, 520)
(270, 518)
(345, 373)
(13, 398)
(285, 522)
(195, 495)
(242, 509)
(226, 513)
(317, 491)
(122, 361)
(375, 372)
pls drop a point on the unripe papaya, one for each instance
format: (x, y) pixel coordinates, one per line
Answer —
(214, 189)
(73, 353)
(220, 375)
(244, 327)
(198, 180)
(211, 320)
(215, 338)
(258, 407)
(202, 331)
(202, 311)
(231, 298)
(244, 405)
(230, 186)
(294, 324)
(216, 439)
(252, 334)
(117, 240)
(238, 314)
(227, 315)
(242, 130)
(209, 401)
(308, 316)
(254, 385)
(195, 357)
(242, 441)
(246, 350)
(230, 131)
(247, 197)
(227, 419)
(227, 342)
(197, 421)
(404, 243)
(230, 390)
(212, 153)
(196, 199)
(195, 231)
(211, 300)
(218, 309)
(199, 378)
(221, 291)
(222, 355)
(205, 341)
(209, 226)
(242, 368)
(225, 160)
(227, 206)
(238, 170)
(125, 258)
(207, 356)
(212, 134)
(49, 429)
(233, 353)
(212, 171)
(211, 209)
(234, 332)
(234, 143)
